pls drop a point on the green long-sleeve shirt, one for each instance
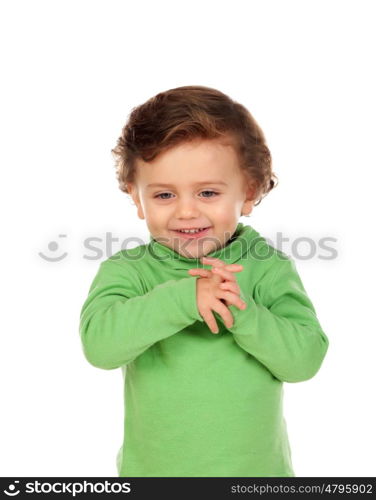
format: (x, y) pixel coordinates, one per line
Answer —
(198, 403)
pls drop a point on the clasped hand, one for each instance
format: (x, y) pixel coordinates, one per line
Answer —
(217, 288)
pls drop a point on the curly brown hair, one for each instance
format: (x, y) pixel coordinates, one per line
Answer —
(187, 113)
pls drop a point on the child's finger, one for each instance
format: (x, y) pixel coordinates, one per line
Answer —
(235, 268)
(204, 273)
(233, 298)
(213, 261)
(220, 271)
(219, 263)
(224, 312)
(230, 286)
(209, 319)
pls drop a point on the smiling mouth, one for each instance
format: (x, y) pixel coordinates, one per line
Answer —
(192, 233)
(195, 229)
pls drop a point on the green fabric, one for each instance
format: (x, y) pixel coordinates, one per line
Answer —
(196, 403)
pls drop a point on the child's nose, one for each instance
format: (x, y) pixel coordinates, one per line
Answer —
(187, 208)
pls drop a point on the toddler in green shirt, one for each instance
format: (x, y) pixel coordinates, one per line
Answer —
(207, 320)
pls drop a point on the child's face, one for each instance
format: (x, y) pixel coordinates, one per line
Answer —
(206, 188)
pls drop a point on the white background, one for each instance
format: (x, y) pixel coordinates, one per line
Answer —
(71, 72)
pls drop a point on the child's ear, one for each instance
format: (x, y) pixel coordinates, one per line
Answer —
(249, 199)
(247, 207)
(133, 191)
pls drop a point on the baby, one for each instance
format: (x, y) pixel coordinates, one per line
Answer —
(196, 404)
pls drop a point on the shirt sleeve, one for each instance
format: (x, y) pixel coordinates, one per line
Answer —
(282, 332)
(119, 321)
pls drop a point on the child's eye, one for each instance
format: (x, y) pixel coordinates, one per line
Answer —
(160, 196)
(214, 193)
